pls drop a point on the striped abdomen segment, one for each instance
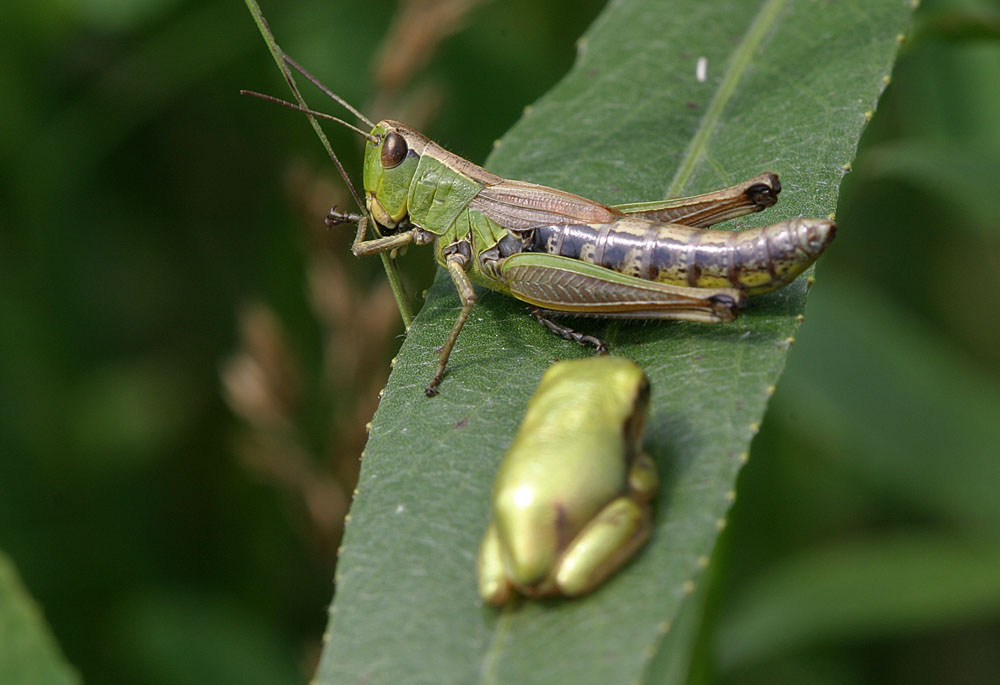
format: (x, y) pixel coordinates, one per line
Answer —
(758, 260)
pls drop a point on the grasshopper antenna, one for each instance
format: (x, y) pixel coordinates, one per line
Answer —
(313, 112)
(320, 115)
(329, 93)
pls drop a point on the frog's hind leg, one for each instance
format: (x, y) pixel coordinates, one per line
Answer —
(603, 546)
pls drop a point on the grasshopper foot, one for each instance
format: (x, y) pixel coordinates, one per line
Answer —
(432, 388)
(335, 218)
(569, 334)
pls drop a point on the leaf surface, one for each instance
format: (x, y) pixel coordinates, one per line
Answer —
(28, 653)
(787, 88)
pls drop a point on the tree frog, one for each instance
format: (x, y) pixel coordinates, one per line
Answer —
(571, 500)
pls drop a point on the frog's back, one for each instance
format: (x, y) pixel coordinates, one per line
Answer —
(572, 453)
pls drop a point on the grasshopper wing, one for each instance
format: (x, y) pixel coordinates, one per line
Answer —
(518, 205)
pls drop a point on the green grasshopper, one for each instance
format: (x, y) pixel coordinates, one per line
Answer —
(566, 254)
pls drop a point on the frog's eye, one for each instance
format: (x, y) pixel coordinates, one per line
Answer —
(393, 150)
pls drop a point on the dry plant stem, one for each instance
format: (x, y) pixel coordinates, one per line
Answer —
(282, 462)
(263, 386)
(279, 58)
(417, 29)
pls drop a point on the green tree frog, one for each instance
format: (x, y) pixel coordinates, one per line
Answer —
(571, 500)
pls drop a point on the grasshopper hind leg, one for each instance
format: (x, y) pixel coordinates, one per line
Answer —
(568, 333)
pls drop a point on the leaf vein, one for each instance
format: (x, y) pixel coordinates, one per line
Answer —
(741, 59)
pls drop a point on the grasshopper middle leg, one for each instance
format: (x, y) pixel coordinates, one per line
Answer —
(456, 269)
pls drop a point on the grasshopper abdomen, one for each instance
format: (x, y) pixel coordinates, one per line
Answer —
(757, 261)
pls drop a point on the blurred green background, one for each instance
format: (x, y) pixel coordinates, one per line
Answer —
(162, 256)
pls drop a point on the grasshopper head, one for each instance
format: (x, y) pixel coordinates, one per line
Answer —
(390, 161)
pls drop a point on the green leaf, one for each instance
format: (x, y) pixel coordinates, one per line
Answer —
(28, 653)
(789, 83)
(935, 413)
(859, 591)
(960, 175)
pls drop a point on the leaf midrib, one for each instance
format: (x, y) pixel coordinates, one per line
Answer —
(735, 69)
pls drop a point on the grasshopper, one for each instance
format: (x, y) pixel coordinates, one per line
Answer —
(566, 254)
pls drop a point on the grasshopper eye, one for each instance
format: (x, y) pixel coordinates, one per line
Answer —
(393, 150)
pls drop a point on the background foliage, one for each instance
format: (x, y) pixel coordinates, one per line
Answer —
(153, 223)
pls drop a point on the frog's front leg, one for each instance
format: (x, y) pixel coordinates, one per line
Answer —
(612, 537)
(643, 480)
(494, 587)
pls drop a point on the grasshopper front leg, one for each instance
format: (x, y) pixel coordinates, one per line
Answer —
(362, 247)
(456, 260)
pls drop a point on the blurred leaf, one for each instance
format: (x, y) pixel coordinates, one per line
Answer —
(861, 590)
(114, 15)
(788, 86)
(959, 23)
(28, 653)
(127, 410)
(922, 416)
(174, 637)
(131, 92)
(958, 176)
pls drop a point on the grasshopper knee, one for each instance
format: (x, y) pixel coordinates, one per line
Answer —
(726, 307)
